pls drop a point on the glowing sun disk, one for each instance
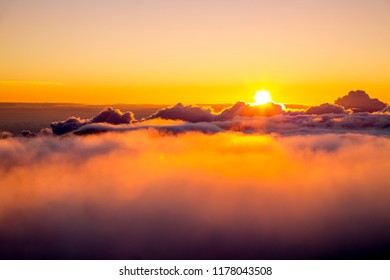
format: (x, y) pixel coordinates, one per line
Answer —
(262, 97)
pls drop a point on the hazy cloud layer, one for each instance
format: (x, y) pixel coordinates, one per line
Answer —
(151, 195)
(283, 124)
(360, 101)
(174, 128)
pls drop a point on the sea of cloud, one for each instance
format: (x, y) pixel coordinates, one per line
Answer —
(149, 194)
(249, 182)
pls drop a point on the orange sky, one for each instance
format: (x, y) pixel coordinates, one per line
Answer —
(213, 51)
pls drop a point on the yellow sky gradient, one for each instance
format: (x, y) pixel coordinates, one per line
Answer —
(214, 51)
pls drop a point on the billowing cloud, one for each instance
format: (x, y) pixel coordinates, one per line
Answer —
(113, 116)
(147, 194)
(325, 108)
(70, 124)
(108, 115)
(189, 113)
(360, 101)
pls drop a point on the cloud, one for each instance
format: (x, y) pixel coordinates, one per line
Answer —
(28, 133)
(359, 101)
(148, 194)
(189, 113)
(113, 116)
(325, 108)
(108, 115)
(5, 134)
(70, 124)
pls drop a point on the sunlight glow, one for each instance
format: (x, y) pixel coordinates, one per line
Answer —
(262, 97)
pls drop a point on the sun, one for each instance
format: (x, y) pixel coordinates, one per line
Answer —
(262, 97)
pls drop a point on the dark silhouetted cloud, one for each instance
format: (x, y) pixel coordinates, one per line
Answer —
(325, 109)
(360, 101)
(72, 123)
(28, 134)
(189, 113)
(108, 115)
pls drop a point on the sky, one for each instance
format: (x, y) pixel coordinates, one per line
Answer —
(215, 51)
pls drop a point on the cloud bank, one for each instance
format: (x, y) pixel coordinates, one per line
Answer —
(355, 112)
(147, 194)
(194, 113)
